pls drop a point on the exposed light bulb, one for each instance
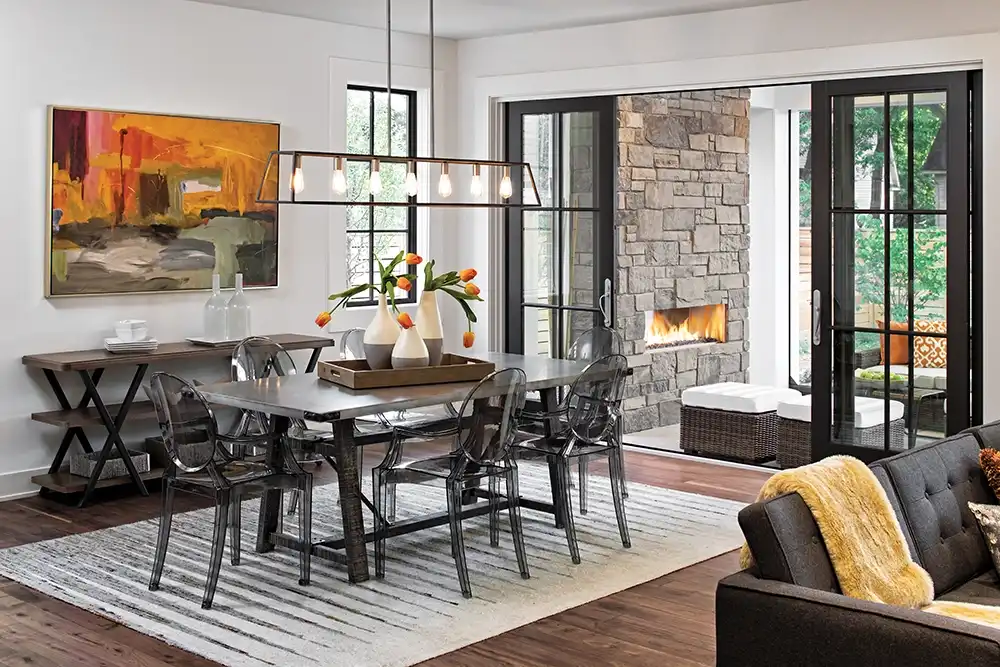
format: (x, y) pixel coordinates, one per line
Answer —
(411, 181)
(298, 183)
(444, 185)
(339, 179)
(375, 180)
(476, 187)
(506, 187)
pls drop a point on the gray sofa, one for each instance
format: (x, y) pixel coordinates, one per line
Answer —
(788, 609)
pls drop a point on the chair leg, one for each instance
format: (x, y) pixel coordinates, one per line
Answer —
(494, 486)
(379, 494)
(390, 502)
(235, 527)
(218, 547)
(457, 540)
(567, 503)
(514, 510)
(617, 471)
(305, 527)
(166, 518)
(293, 502)
(582, 467)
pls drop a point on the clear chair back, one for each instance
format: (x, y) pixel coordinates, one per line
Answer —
(186, 422)
(352, 344)
(487, 422)
(596, 343)
(257, 357)
(592, 401)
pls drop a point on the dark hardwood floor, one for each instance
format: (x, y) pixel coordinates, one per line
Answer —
(667, 621)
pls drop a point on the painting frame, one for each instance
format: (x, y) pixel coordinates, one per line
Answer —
(50, 233)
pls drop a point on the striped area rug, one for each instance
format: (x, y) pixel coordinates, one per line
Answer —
(261, 616)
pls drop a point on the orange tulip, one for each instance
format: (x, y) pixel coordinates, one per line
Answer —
(323, 319)
(404, 320)
(467, 274)
(468, 338)
(404, 284)
(413, 258)
(472, 289)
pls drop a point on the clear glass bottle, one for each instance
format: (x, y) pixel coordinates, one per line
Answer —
(238, 313)
(215, 312)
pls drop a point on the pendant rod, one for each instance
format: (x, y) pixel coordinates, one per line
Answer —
(431, 17)
(388, 76)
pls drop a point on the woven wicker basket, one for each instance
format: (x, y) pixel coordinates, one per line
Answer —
(734, 435)
(795, 440)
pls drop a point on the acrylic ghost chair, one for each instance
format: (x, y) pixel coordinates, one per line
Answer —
(589, 430)
(481, 439)
(201, 464)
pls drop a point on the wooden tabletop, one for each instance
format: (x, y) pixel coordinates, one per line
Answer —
(308, 397)
(85, 360)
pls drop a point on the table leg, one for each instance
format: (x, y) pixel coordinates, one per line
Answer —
(113, 425)
(346, 455)
(75, 431)
(550, 404)
(270, 501)
(313, 360)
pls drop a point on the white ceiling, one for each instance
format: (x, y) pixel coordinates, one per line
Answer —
(462, 19)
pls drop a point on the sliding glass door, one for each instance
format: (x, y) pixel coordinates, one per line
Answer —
(895, 267)
(560, 257)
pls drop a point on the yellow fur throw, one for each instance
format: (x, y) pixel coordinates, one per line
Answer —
(860, 530)
(863, 538)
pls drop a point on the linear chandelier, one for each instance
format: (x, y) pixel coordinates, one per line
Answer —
(499, 175)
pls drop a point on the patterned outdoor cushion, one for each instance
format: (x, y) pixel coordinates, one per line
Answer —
(930, 352)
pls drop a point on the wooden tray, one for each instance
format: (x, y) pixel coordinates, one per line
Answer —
(355, 373)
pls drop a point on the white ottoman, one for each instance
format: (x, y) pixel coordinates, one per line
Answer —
(795, 428)
(732, 420)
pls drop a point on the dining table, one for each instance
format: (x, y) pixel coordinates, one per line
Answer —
(309, 398)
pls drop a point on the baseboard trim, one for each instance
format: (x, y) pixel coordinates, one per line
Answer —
(17, 484)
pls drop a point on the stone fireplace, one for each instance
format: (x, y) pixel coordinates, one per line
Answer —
(679, 327)
(683, 261)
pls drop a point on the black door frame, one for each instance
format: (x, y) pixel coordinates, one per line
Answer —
(964, 220)
(604, 211)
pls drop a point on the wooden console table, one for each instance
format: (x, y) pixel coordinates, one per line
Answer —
(90, 366)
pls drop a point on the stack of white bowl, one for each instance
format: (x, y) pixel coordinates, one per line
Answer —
(132, 337)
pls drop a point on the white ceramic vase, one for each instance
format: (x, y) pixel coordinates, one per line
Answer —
(428, 322)
(409, 351)
(380, 337)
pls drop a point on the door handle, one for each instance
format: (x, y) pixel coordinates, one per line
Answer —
(816, 303)
(604, 302)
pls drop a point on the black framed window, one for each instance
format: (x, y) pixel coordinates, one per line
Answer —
(379, 231)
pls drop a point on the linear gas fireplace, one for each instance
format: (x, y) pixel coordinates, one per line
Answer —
(677, 327)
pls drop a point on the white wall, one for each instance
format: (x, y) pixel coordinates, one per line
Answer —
(167, 56)
(792, 42)
(769, 270)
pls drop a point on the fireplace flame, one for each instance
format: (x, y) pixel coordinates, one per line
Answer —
(680, 326)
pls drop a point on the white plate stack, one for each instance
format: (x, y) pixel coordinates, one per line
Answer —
(117, 345)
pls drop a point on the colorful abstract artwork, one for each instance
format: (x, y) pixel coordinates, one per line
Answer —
(154, 203)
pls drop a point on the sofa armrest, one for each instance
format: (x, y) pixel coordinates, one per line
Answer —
(762, 622)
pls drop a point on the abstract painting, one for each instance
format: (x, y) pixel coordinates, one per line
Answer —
(154, 203)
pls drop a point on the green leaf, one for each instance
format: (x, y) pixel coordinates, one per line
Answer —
(469, 313)
(429, 276)
(349, 292)
(461, 296)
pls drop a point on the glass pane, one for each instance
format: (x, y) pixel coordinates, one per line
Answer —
(858, 141)
(575, 323)
(876, 403)
(381, 123)
(359, 262)
(858, 270)
(357, 180)
(391, 218)
(393, 176)
(928, 152)
(538, 150)
(400, 124)
(538, 258)
(579, 134)
(578, 272)
(540, 332)
(358, 121)
(801, 242)
(358, 219)
(387, 246)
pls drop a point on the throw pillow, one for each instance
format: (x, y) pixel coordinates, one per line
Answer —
(989, 461)
(899, 347)
(930, 352)
(988, 518)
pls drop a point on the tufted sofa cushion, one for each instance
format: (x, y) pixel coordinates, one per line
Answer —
(933, 486)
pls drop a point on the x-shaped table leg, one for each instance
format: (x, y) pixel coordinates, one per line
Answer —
(74, 431)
